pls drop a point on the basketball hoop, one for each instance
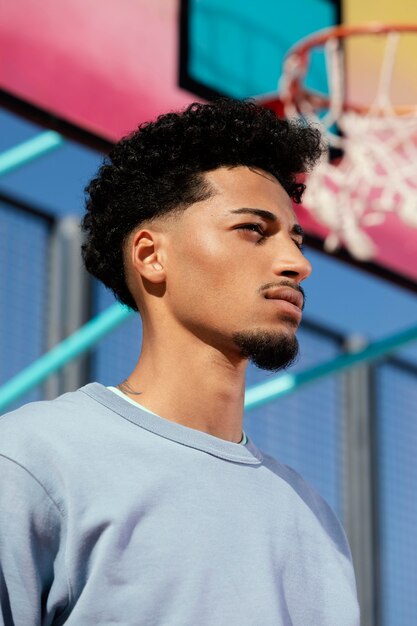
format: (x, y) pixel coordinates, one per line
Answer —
(377, 173)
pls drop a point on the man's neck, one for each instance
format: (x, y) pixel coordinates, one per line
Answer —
(197, 387)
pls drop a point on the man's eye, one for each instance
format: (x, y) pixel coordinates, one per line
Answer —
(257, 228)
(299, 244)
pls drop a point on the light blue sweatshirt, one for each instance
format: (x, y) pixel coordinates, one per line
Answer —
(112, 515)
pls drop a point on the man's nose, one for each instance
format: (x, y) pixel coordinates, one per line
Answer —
(291, 262)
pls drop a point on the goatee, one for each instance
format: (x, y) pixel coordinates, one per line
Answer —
(268, 350)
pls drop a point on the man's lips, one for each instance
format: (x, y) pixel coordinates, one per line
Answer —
(288, 294)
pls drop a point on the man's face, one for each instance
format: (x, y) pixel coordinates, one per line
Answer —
(234, 267)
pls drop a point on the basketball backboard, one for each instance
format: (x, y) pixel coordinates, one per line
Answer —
(95, 70)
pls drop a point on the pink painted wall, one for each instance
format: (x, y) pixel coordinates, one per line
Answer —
(105, 65)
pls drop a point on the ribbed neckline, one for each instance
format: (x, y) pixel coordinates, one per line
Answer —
(120, 393)
(248, 454)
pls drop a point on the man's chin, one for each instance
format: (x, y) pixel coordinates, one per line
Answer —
(268, 350)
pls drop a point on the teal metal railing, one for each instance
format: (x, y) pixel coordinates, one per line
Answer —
(64, 352)
(89, 334)
(287, 383)
(29, 150)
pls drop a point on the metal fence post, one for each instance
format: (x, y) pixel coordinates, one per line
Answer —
(360, 510)
(69, 302)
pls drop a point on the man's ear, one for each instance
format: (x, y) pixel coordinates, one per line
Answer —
(146, 256)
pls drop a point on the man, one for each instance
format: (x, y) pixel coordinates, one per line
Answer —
(145, 503)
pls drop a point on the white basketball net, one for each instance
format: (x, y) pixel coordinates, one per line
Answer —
(377, 174)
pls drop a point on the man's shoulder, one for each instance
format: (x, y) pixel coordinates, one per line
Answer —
(309, 500)
(295, 481)
(48, 427)
(45, 413)
(57, 441)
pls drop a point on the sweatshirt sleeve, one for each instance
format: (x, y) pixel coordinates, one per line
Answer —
(30, 533)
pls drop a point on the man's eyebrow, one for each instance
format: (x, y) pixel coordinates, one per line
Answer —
(267, 215)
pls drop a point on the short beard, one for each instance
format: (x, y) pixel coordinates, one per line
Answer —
(267, 350)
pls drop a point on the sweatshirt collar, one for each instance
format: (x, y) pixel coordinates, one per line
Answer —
(190, 437)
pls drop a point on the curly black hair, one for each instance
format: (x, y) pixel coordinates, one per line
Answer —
(158, 168)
